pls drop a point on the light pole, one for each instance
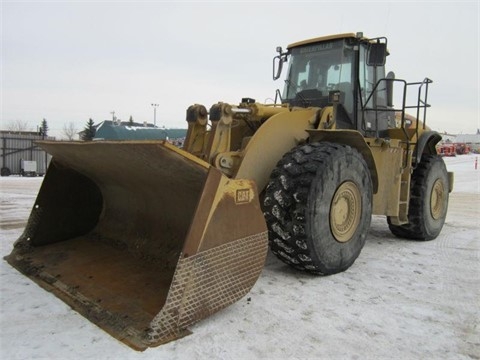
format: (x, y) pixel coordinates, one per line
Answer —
(155, 114)
(165, 131)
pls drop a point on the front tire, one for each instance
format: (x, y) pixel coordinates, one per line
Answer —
(318, 207)
(428, 201)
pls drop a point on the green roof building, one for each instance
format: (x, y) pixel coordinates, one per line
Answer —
(110, 130)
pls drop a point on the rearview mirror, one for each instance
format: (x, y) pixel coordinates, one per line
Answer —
(377, 54)
(278, 63)
(277, 67)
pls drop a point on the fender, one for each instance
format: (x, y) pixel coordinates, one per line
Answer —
(354, 139)
(426, 144)
(279, 134)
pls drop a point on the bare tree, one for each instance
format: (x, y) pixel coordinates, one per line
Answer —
(17, 125)
(70, 130)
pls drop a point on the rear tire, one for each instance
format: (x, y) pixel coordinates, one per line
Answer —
(318, 207)
(428, 201)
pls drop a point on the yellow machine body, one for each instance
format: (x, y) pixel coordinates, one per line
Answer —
(144, 238)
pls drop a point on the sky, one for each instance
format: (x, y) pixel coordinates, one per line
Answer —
(68, 61)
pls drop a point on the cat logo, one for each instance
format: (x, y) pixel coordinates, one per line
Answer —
(242, 196)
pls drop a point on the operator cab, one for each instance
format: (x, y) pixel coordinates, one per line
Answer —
(344, 64)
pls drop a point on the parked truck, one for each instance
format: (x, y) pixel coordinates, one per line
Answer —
(20, 155)
(144, 238)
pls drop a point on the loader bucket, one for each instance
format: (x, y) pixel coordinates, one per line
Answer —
(141, 238)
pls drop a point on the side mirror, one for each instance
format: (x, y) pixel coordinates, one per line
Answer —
(278, 63)
(277, 67)
(377, 54)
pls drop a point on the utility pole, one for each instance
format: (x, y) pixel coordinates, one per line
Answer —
(42, 129)
(155, 114)
(165, 131)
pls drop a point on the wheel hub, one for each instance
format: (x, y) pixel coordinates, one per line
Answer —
(437, 199)
(345, 211)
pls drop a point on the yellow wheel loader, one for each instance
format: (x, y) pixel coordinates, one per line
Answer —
(144, 238)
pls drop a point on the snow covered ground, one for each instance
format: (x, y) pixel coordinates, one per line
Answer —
(401, 299)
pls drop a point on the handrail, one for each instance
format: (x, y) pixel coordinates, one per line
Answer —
(421, 103)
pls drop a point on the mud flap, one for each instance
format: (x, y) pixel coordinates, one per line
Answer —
(141, 238)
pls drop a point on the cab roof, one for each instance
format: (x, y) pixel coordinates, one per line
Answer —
(324, 38)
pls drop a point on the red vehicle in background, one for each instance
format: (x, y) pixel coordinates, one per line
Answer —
(462, 148)
(447, 150)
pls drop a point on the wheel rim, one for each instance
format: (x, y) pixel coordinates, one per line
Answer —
(345, 211)
(437, 199)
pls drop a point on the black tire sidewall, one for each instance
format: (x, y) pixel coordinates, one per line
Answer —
(436, 171)
(329, 254)
(5, 171)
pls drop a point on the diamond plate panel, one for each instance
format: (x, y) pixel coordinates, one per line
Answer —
(207, 282)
